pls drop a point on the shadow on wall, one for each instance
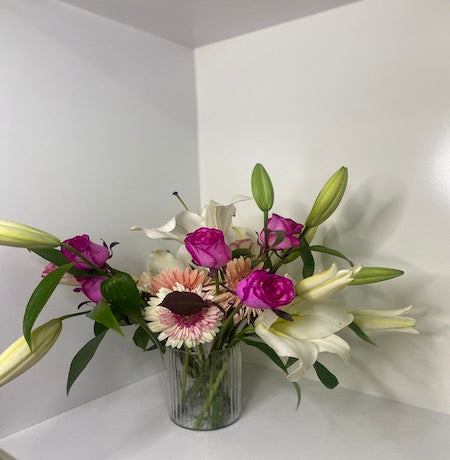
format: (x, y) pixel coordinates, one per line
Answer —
(121, 55)
(5, 456)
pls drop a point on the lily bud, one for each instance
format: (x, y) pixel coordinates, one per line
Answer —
(369, 275)
(328, 199)
(385, 320)
(325, 283)
(262, 188)
(24, 236)
(18, 358)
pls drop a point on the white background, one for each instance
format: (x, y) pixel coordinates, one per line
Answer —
(365, 86)
(97, 129)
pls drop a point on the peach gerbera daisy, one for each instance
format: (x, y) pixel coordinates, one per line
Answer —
(190, 279)
(235, 271)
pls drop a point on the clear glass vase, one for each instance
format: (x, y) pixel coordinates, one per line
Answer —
(204, 387)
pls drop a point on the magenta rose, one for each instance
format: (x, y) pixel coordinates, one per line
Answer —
(90, 287)
(288, 226)
(263, 290)
(207, 247)
(96, 253)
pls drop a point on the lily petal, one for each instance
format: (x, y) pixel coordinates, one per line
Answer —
(382, 320)
(286, 346)
(326, 283)
(314, 321)
(334, 344)
(314, 281)
(389, 313)
(176, 229)
(161, 260)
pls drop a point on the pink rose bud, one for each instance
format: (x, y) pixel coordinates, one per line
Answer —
(288, 226)
(247, 243)
(96, 253)
(207, 247)
(67, 278)
(263, 290)
(90, 287)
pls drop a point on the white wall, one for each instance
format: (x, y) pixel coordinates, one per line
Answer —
(366, 86)
(97, 129)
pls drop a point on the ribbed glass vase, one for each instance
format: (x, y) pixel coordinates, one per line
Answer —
(204, 387)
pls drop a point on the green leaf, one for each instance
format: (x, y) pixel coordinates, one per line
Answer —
(307, 258)
(325, 376)
(140, 338)
(103, 314)
(280, 234)
(82, 358)
(290, 361)
(299, 393)
(332, 252)
(39, 298)
(241, 253)
(360, 333)
(262, 188)
(291, 255)
(368, 275)
(52, 255)
(121, 292)
(99, 328)
(328, 199)
(57, 258)
(267, 351)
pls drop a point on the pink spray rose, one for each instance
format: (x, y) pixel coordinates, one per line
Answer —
(264, 290)
(288, 226)
(90, 287)
(207, 247)
(67, 278)
(96, 253)
(246, 243)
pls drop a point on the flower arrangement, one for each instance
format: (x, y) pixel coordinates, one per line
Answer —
(224, 285)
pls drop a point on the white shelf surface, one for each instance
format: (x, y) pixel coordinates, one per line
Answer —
(132, 424)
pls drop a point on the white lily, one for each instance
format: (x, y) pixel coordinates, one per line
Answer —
(176, 229)
(213, 215)
(216, 215)
(385, 320)
(158, 262)
(325, 283)
(310, 333)
(161, 260)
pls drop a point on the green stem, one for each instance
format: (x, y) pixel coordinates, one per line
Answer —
(203, 354)
(266, 257)
(217, 284)
(212, 393)
(185, 372)
(281, 262)
(62, 318)
(266, 233)
(217, 342)
(241, 334)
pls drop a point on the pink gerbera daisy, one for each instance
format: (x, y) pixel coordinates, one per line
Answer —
(182, 325)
